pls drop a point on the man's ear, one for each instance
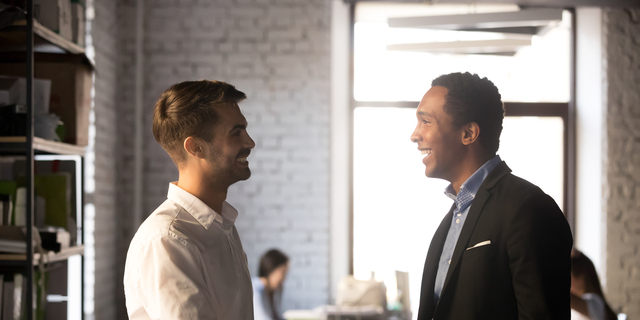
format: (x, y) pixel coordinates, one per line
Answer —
(194, 147)
(470, 133)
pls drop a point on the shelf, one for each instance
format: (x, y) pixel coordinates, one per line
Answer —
(64, 254)
(13, 39)
(17, 259)
(17, 146)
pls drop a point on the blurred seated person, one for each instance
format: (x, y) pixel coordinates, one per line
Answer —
(267, 287)
(587, 299)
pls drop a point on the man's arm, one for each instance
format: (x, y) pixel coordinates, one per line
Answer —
(171, 280)
(539, 248)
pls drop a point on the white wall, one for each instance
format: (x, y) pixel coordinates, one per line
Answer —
(590, 147)
(340, 145)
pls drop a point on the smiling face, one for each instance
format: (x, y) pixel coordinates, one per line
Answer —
(227, 152)
(437, 138)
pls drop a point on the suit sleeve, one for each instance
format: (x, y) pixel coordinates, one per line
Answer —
(171, 281)
(539, 247)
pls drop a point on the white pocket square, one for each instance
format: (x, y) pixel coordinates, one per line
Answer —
(480, 244)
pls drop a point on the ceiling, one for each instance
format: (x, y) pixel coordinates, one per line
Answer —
(526, 3)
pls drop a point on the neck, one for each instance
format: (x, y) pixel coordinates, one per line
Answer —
(211, 194)
(469, 166)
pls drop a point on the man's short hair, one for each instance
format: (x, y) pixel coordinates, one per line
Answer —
(189, 109)
(474, 99)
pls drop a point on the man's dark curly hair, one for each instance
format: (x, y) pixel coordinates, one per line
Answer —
(474, 99)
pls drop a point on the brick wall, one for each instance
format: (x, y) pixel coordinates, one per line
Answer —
(125, 99)
(277, 52)
(104, 196)
(622, 191)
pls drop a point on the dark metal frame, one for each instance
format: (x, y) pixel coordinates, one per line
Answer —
(29, 163)
(564, 110)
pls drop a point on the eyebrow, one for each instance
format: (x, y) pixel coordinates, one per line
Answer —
(424, 113)
(239, 126)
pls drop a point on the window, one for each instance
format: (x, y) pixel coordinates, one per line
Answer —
(396, 209)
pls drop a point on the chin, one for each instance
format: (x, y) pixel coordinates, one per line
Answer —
(245, 175)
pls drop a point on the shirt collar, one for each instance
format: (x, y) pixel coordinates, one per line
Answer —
(199, 210)
(470, 187)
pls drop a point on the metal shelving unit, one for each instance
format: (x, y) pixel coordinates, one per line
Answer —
(26, 38)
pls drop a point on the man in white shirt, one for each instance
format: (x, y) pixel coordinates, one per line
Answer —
(186, 260)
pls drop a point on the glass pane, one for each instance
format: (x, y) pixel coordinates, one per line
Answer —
(533, 147)
(397, 209)
(537, 73)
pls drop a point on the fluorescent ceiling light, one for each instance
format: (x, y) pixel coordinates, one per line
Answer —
(494, 47)
(527, 21)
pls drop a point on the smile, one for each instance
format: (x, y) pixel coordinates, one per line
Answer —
(426, 152)
(243, 159)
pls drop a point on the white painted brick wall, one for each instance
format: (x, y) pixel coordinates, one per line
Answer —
(104, 198)
(622, 27)
(277, 52)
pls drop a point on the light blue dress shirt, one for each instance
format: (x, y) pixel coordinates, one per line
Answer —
(463, 201)
(261, 305)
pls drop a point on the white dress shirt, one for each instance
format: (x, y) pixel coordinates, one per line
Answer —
(186, 261)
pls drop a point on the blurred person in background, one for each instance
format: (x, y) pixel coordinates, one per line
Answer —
(587, 299)
(267, 287)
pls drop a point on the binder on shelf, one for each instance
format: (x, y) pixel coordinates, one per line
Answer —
(8, 190)
(6, 207)
(7, 297)
(56, 190)
(1, 290)
(77, 22)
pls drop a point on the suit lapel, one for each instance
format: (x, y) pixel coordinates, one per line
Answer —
(475, 211)
(431, 267)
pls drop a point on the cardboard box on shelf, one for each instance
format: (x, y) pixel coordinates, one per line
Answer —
(71, 82)
(56, 15)
(13, 91)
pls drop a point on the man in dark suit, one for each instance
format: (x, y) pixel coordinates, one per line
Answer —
(503, 250)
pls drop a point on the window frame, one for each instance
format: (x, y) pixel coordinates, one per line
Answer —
(565, 110)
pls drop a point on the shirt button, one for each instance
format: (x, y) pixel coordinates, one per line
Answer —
(449, 261)
(459, 214)
(457, 220)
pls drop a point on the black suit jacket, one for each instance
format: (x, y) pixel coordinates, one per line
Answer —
(524, 273)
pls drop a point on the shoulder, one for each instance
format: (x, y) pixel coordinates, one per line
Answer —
(521, 202)
(513, 184)
(158, 227)
(159, 222)
(516, 193)
(258, 286)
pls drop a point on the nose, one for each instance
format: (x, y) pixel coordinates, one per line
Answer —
(249, 143)
(415, 136)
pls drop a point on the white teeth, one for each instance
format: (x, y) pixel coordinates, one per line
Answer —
(423, 152)
(242, 159)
